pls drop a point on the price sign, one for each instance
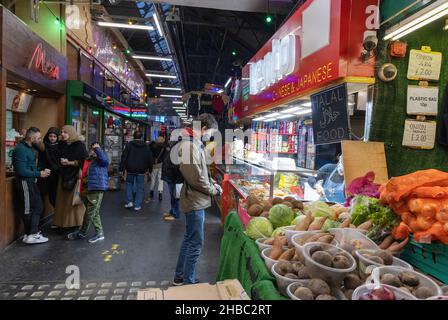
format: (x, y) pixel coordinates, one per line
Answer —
(419, 134)
(423, 100)
(424, 65)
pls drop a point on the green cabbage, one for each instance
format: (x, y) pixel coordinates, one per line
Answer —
(320, 209)
(278, 232)
(328, 224)
(298, 219)
(281, 215)
(259, 227)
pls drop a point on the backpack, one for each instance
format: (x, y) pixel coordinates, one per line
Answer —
(170, 171)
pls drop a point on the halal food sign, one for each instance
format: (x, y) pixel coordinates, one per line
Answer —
(41, 63)
(274, 66)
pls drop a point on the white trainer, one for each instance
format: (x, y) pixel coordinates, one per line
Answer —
(128, 205)
(25, 237)
(36, 238)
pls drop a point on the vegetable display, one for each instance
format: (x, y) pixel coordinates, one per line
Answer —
(259, 227)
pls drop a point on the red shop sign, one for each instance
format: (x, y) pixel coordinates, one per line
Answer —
(322, 42)
(10, 143)
(40, 62)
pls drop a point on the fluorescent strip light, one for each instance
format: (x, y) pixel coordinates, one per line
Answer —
(258, 119)
(178, 102)
(156, 20)
(125, 25)
(421, 24)
(272, 115)
(228, 82)
(416, 21)
(170, 96)
(169, 88)
(306, 104)
(155, 75)
(286, 116)
(269, 120)
(156, 58)
(291, 110)
(303, 112)
(180, 108)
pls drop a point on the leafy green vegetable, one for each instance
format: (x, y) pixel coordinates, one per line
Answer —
(329, 224)
(320, 209)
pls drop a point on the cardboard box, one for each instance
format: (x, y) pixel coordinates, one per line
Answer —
(223, 290)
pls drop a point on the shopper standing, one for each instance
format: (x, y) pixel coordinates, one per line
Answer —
(94, 183)
(194, 198)
(136, 161)
(158, 153)
(69, 214)
(49, 157)
(27, 196)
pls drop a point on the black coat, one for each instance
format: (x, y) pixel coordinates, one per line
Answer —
(50, 157)
(75, 151)
(137, 158)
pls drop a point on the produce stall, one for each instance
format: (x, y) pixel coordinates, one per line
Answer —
(321, 251)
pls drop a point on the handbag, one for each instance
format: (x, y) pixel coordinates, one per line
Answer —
(68, 183)
(77, 200)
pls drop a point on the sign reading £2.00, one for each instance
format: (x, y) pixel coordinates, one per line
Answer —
(419, 134)
(424, 65)
(423, 100)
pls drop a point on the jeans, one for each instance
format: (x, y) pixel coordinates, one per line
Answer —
(174, 211)
(139, 181)
(92, 200)
(156, 181)
(191, 246)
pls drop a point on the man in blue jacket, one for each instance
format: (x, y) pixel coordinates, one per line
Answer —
(26, 192)
(95, 182)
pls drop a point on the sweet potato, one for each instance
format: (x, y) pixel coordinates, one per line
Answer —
(366, 225)
(304, 223)
(317, 224)
(386, 242)
(313, 238)
(269, 241)
(288, 254)
(326, 238)
(277, 249)
(346, 223)
(398, 246)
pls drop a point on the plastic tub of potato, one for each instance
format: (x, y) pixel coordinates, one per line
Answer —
(425, 281)
(332, 276)
(352, 239)
(268, 261)
(283, 282)
(291, 288)
(366, 266)
(262, 246)
(366, 288)
(296, 238)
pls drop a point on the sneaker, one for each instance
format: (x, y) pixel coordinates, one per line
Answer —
(160, 197)
(24, 238)
(169, 218)
(35, 239)
(137, 208)
(166, 214)
(77, 235)
(151, 194)
(180, 281)
(129, 205)
(96, 238)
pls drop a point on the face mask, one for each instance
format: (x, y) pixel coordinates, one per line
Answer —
(207, 135)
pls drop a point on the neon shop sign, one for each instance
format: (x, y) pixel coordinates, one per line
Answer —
(40, 62)
(275, 65)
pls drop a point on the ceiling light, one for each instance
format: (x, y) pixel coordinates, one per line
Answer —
(303, 112)
(291, 110)
(285, 116)
(220, 91)
(228, 82)
(124, 25)
(156, 58)
(259, 119)
(178, 102)
(269, 120)
(169, 88)
(156, 20)
(306, 104)
(271, 115)
(421, 24)
(170, 96)
(154, 75)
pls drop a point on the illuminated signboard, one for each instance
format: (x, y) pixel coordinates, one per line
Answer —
(40, 62)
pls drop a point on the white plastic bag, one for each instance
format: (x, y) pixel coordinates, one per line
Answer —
(178, 188)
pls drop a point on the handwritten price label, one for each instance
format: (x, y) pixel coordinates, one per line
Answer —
(419, 134)
(424, 65)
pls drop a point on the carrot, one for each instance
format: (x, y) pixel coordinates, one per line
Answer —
(401, 231)
(366, 225)
(398, 246)
(387, 242)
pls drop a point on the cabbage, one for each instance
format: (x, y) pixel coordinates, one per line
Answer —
(259, 227)
(320, 209)
(281, 215)
(278, 232)
(298, 219)
(328, 224)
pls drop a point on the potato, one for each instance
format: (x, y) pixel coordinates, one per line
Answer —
(349, 293)
(287, 203)
(386, 256)
(251, 200)
(423, 292)
(352, 281)
(289, 199)
(265, 214)
(291, 276)
(255, 210)
(284, 267)
(391, 280)
(297, 205)
(409, 279)
(276, 200)
(322, 257)
(318, 287)
(296, 267)
(406, 289)
(302, 273)
(340, 261)
(375, 259)
(304, 293)
(314, 249)
(325, 297)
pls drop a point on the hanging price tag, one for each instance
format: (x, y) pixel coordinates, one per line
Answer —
(424, 64)
(419, 134)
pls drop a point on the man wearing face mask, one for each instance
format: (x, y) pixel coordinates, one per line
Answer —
(27, 196)
(195, 196)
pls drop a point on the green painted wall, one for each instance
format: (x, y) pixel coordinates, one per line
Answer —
(46, 27)
(391, 7)
(390, 105)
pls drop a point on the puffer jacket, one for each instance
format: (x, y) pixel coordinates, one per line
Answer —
(98, 178)
(197, 187)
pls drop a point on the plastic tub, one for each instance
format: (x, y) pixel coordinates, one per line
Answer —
(291, 288)
(299, 247)
(399, 294)
(352, 239)
(268, 261)
(438, 298)
(262, 246)
(284, 282)
(424, 280)
(366, 266)
(332, 276)
(290, 232)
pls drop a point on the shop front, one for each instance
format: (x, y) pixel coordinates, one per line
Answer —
(32, 91)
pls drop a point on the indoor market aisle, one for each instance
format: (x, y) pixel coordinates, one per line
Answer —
(140, 250)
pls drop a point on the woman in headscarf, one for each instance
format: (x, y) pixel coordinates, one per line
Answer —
(49, 158)
(73, 153)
